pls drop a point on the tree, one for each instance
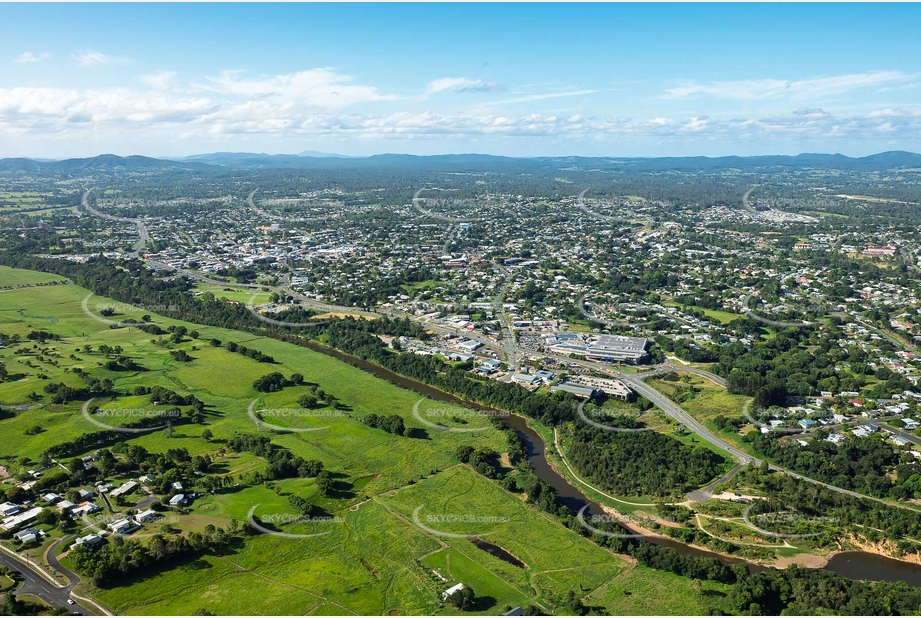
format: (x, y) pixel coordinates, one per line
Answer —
(207, 435)
(462, 599)
(325, 482)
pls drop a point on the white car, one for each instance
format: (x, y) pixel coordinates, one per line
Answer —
(70, 601)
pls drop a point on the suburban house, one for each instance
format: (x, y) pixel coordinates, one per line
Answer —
(123, 526)
(125, 489)
(84, 508)
(451, 590)
(7, 509)
(146, 516)
(29, 535)
(178, 500)
(90, 540)
(12, 523)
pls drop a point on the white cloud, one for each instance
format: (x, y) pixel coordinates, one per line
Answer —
(541, 97)
(161, 80)
(314, 103)
(28, 57)
(461, 84)
(89, 59)
(803, 88)
(321, 87)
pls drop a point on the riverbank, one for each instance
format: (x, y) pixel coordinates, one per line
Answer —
(866, 563)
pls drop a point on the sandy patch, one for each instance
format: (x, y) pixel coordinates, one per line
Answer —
(810, 561)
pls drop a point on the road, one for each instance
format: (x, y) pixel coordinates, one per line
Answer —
(39, 584)
(508, 344)
(143, 233)
(705, 493)
(580, 203)
(746, 206)
(252, 204)
(700, 372)
(512, 350)
(603, 319)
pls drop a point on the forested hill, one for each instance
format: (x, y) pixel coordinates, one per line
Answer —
(465, 162)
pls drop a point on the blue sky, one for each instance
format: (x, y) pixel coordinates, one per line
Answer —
(511, 79)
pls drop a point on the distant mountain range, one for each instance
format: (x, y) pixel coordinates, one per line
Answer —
(456, 162)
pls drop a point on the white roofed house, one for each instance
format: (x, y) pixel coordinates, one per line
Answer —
(8, 509)
(13, 523)
(178, 500)
(455, 588)
(125, 489)
(29, 535)
(90, 540)
(85, 508)
(65, 505)
(123, 526)
(146, 516)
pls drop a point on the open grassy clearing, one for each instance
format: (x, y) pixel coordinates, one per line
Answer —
(12, 277)
(459, 501)
(705, 401)
(231, 293)
(723, 317)
(634, 593)
(372, 558)
(223, 380)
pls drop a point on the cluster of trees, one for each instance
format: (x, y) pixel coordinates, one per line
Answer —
(392, 423)
(483, 460)
(98, 439)
(875, 521)
(42, 336)
(160, 394)
(783, 366)
(462, 599)
(256, 355)
(816, 592)
(181, 356)
(641, 462)
(126, 557)
(316, 397)
(282, 463)
(687, 350)
(303, 507)
(275, 381)
(861, 465)
(61, 393)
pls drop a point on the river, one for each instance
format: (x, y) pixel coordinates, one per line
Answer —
(850, 564)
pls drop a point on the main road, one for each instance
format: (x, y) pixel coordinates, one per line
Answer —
(511, 348)
(143, 233)
(35, 581)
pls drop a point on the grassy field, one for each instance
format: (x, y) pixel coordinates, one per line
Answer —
(705, 401)
(708, 401)
(723, 317)
(635, 593)
(13, 277)
(231, 293)
(460, 502)
(372, 557)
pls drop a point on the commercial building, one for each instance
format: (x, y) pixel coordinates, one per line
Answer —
(611, 348)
